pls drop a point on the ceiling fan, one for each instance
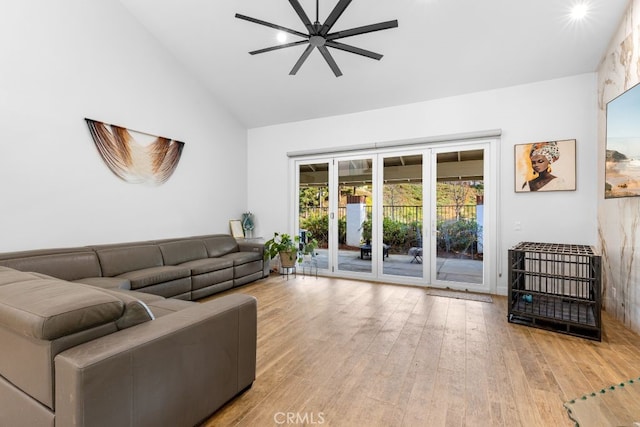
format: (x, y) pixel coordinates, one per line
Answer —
(320, 37)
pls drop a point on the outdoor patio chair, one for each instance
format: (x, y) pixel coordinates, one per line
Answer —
(416, 251)
(365, 250)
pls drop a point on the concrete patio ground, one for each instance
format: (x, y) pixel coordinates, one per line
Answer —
(448, 269)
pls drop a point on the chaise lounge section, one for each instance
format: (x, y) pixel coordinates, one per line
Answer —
(77, 355)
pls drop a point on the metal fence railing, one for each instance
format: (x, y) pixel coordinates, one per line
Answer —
(405, 214)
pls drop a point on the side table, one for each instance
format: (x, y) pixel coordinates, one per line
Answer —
(310, 262)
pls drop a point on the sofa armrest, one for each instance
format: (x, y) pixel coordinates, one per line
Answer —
(248, 246)
(175, 370)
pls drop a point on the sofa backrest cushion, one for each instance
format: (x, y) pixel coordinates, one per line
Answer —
(71, 265)
(123, 259)
(180, 251)
(48, 309)
(220, 245)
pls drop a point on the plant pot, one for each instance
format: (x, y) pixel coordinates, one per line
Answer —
(288, 259)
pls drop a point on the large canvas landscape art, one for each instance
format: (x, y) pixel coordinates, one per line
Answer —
(622, 172)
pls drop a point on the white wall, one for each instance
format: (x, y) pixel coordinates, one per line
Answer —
(550, 110)
(64, 60)
(619, 219)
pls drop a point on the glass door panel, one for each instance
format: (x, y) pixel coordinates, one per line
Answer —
(459, 217)
(356, 253)
(402, 215)
(313, 209)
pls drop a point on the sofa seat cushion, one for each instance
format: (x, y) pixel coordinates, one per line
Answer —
(207, 265)
(168, 306)
(50, 309)
(239, 258)
(155, 275)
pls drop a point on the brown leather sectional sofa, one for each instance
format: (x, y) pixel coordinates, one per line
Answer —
(188, 268)
(103, 336)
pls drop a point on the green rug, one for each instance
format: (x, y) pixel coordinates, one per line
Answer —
(459, 295)
(616, 405)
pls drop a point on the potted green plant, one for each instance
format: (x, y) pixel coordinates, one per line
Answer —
(308, 248)
(283, 245)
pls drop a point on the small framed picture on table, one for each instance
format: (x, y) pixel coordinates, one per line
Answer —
(236, 228)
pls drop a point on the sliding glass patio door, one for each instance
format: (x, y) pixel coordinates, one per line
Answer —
(404, 216)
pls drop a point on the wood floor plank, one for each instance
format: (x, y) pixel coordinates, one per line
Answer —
(477, 364)
(354, 353)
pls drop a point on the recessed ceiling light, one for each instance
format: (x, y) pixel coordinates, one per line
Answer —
(282, 37)
(579, 11)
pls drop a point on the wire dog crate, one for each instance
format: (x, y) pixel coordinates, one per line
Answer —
(556, 287)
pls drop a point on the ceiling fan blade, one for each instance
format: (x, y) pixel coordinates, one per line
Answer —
(303, 16)
(333, 16)
(280, 46)
(362, 30)
(353, 49)
(327, 57)
(303, 58)
(270, 25)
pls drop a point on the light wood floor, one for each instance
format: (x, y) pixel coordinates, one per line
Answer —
(337, 352)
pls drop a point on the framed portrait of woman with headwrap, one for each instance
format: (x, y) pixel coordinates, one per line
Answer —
(545, 166)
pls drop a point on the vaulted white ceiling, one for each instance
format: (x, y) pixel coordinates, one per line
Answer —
(441, 48)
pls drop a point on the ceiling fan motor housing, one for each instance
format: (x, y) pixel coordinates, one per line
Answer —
(316, 41)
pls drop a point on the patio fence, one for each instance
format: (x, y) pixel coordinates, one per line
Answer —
(405, 214)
